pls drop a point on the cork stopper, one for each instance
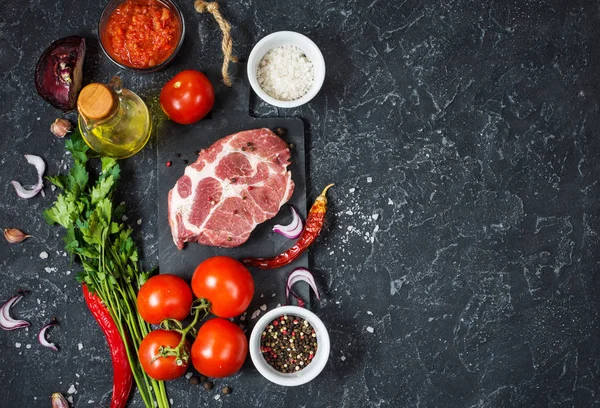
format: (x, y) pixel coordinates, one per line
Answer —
(97, 101)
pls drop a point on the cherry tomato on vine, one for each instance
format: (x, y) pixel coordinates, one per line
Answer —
(164, 297)
(226, 283)
(220, 348)
(162, 368)
(187, 97)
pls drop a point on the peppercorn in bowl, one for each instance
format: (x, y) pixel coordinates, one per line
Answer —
(286, 69)
(289, 346)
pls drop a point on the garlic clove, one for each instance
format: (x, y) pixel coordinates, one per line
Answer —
(60, 127)
(58, 401)
(14, 236)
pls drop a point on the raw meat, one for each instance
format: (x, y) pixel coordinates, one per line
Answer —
(237, 183)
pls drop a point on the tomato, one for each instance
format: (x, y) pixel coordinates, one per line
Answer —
(220, 348)
(161, 368)
(188, 97)
(226, 283)
(164, 297)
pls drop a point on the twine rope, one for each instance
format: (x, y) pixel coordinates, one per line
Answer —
(202, 6)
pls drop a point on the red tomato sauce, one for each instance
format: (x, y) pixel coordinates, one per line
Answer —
(142, 33)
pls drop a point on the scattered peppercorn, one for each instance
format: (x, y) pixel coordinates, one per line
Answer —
(288, 344)
(202, 378)
(243, 148)
(197, 152)
(185, 161)
(169, 164)
(249, 144)
(291, 145)
(207, 385)
(281, 131)
(178, 154)
(226, 390)
(194, 380)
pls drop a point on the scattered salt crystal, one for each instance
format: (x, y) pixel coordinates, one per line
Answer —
(273, 295)
(39, 301)
(255, 314)
(217, 397)
(28, 346)
(171, 401)
(331, 253)
(50, 270)
(189, 375)
(77, 375)
(44, 255)
(72, 389)
(80, 346)
(242, 318)
(375, 216)
(390, 202)
(369, 179)
(68, 272)
(369, 312)
(337, 302)
(376, 228)
(91, 401)
(350, 227)
(52, 187)
(370, 329)
(263, 307)
(262, 295)
(343, 358)
(70, 399)
(139, 222)
(18, 345)
(349, 212)
(352, 190)
(124, 218)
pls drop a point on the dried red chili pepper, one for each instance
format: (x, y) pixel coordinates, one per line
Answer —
(312, 228)
(122, 376)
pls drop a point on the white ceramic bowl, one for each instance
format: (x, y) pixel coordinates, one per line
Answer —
(310, 371)
(286, 38)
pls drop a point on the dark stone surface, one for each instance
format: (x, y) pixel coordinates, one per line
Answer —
(459, 266)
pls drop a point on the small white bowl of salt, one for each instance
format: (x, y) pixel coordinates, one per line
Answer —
(286, 69)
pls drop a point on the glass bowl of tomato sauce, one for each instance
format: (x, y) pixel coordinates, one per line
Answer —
(143, 35)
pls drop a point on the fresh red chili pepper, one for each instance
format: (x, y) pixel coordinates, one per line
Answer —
(312, 229)
(122, 376)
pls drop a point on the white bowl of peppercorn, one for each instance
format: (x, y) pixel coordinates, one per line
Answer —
(289, 346)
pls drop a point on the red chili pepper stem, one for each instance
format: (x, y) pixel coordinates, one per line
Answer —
(180, 351)
(312, 229)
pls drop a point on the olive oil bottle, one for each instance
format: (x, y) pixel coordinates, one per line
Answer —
(114, 121)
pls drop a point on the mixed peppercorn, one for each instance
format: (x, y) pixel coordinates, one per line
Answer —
(288, 343)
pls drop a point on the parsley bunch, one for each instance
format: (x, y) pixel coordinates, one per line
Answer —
(106, 251)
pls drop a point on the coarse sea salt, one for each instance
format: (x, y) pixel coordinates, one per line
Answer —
(285, 73)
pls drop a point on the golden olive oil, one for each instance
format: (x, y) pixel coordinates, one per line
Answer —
(114, 123)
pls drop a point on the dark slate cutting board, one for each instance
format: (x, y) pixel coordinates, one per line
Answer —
(177, 143)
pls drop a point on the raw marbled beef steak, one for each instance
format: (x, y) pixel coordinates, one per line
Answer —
(237, 183)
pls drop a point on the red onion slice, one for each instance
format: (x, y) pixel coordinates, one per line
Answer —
(6, 320)
(40, 166)
(293, 229)
(300, 275)
(42, 336)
